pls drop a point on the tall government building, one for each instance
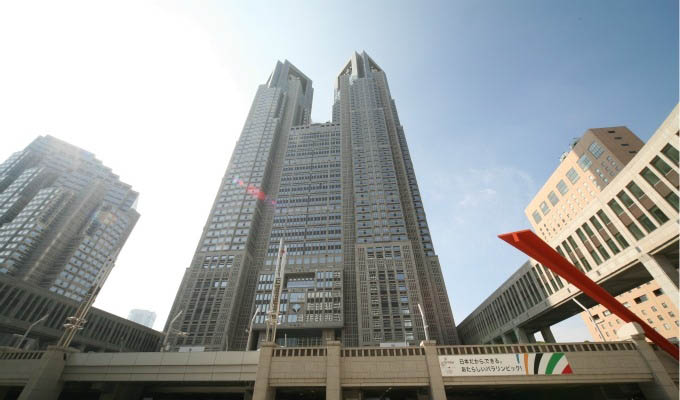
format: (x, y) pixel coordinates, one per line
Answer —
(344, 198)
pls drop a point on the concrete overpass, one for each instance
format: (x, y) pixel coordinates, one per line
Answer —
(620, 244)
(333, 372)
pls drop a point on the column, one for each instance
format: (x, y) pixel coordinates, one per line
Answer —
(434, 370)
(45, 382)
(333, 388)
(262, 390)
(663, 387)
(521, 334)
(663, 273)
(547, 334)
(507, 339)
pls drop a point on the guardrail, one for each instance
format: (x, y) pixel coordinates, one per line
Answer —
(535, 348)
(300, 352)
(21, 355)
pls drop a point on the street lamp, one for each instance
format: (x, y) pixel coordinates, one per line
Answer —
(18, 346)
(170, 330)
(250, 329)
(425, 325)
(590, 316)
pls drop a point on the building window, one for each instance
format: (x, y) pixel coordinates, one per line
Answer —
(671, 152)
(553, 198)
(584, 162)
(661, 166)
(544, 208)
(537, 216)
(595, 149)
(640, 299)
(572, 175)
(562, 187)
(658, 292)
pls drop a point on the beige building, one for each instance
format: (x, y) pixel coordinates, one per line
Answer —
(648, 301)
(593, 161)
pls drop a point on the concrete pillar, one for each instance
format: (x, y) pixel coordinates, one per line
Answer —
(663, 273)
(663, 387)
(122, 391)
(333, 388)
(262, 390)
(548, 336)
(354, 394)
(507, 339)
(521, 334)
(434, 370)
(45, 382)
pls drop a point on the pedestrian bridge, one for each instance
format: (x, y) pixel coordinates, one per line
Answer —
(426, 371)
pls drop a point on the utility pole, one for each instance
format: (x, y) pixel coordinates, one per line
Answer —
(277, 287)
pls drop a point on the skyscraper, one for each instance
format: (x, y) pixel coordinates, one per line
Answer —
(344, 198)
(63, 215)
(144, 317)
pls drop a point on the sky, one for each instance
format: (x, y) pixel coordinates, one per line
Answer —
(490, 94)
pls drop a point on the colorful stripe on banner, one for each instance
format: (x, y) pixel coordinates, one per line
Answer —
(546, 364)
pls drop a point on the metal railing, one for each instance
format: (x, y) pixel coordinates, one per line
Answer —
(535, 348)
(21, 355)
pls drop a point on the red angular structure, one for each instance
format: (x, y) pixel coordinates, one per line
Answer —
(527, 242)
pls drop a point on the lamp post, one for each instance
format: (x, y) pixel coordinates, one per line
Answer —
(425, 325)
(590, 316)
(18, 346)
(250, 328)
(171, 330)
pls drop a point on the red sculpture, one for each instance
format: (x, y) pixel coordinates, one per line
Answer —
(533, 246)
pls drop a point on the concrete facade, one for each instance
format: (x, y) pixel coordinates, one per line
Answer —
(648, 301)
(621, 239)
(593, 161)
(344, 198)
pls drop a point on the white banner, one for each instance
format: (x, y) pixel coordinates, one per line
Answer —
(505, 364)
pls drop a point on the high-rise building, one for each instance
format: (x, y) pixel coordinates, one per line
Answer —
(593, 161)
(344, 198)
(144, 317)
(64, 217)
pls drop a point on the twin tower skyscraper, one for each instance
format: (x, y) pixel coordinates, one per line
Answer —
(343, 197)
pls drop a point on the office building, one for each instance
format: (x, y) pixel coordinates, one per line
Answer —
(598, 157)
(591, 163)
(622, 239)
(64, 217)
(144, 317)
(343, 197)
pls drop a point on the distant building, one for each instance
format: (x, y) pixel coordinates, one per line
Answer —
(144, 317)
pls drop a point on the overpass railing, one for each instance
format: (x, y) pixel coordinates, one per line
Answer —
(535, 348)
(21, 355)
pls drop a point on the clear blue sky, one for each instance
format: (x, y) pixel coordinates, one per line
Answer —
(490, 94)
